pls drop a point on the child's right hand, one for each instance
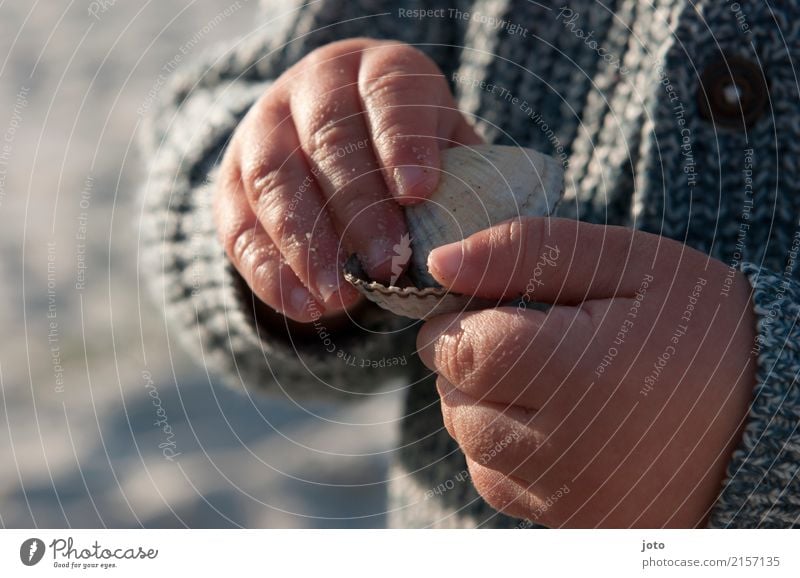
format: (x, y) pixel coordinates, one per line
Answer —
(316, 170)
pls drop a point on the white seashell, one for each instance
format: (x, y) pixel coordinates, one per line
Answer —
(480, 186)
(413, 302)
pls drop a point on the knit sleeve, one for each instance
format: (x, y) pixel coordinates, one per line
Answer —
(208, 306)
(762, 489)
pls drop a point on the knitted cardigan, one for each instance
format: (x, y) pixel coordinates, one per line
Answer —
(605, 90)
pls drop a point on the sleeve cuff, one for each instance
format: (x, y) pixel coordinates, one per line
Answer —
(762, 488)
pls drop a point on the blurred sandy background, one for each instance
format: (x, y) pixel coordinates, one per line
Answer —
(83, 347)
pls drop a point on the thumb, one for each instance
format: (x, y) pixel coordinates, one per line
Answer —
(411, 115)
(555, 260)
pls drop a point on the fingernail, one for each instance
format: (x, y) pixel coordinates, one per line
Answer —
(327, 283)
(413, 181)
(300, 300)
(445, 262)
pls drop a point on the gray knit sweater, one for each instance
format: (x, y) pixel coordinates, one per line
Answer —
(618, 106)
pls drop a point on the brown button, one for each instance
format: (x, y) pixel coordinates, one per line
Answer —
(733, 92)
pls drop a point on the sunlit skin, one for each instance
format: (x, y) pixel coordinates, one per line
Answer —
(321, 164)
(639, 438)
(320, 167)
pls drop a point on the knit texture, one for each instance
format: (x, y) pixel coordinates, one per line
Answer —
(614, 124)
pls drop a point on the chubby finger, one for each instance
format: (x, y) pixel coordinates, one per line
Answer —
(512, 496)
(257, 259)
(333, 133)
(557, 260)
(530, 445)
(411, 115)
(284, 196)
(513, 356)
(581, 474)
(515, 462)
(601, 350)
(485, 430)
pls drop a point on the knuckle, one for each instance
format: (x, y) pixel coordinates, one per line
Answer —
(456, 356)
(389, 82)
(327, 138)
(249, 250)
(257, 174)
(394, 126)
(400, 74)
(264, 182)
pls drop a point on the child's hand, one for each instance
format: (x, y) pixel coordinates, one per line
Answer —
(319, 159)
(622, 404)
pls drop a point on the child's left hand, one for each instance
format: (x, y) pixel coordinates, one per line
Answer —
(618, 407)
